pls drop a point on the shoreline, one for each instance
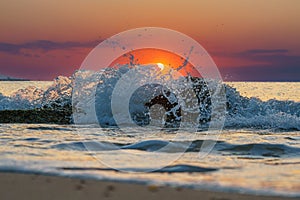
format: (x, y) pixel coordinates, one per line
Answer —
(36, 186)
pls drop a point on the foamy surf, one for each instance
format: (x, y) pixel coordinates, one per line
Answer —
(242, 112)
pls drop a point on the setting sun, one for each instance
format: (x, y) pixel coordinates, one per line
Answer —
(161, 66)
(162, 58)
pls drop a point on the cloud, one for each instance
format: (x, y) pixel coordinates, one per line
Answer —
(261, 73)
(274, 57)
(266, 51)
(272, 65)
(44, 45)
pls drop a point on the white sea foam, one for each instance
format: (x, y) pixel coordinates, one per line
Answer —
(242, 112)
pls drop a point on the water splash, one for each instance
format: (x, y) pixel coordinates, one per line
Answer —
(242, 112)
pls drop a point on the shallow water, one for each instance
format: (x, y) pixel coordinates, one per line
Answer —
(254, 161)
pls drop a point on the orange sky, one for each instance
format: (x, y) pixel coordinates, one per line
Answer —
(238, 34)
(150, 56)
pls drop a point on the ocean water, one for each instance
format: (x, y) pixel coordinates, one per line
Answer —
(9, 88)
(283, 91)
(258, 150)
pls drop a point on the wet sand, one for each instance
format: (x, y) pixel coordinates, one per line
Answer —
(36, 187)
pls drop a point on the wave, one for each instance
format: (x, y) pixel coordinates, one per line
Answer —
(32, 97)
(241, 112)
(167, 169)
(251, 149)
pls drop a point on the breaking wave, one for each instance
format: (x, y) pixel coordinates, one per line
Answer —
(241, 112)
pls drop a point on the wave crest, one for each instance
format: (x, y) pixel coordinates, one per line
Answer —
(242, 112)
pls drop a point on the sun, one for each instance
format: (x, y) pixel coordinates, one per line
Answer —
(161, 66)
(161, 58)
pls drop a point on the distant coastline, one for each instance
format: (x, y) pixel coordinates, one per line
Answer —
(13, 79)
(9, 78)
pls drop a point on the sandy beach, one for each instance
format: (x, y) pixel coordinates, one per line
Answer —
(32, 186)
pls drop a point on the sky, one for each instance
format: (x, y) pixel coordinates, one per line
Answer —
(249, 40)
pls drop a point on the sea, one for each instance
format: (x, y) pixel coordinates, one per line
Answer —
(256, 152)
